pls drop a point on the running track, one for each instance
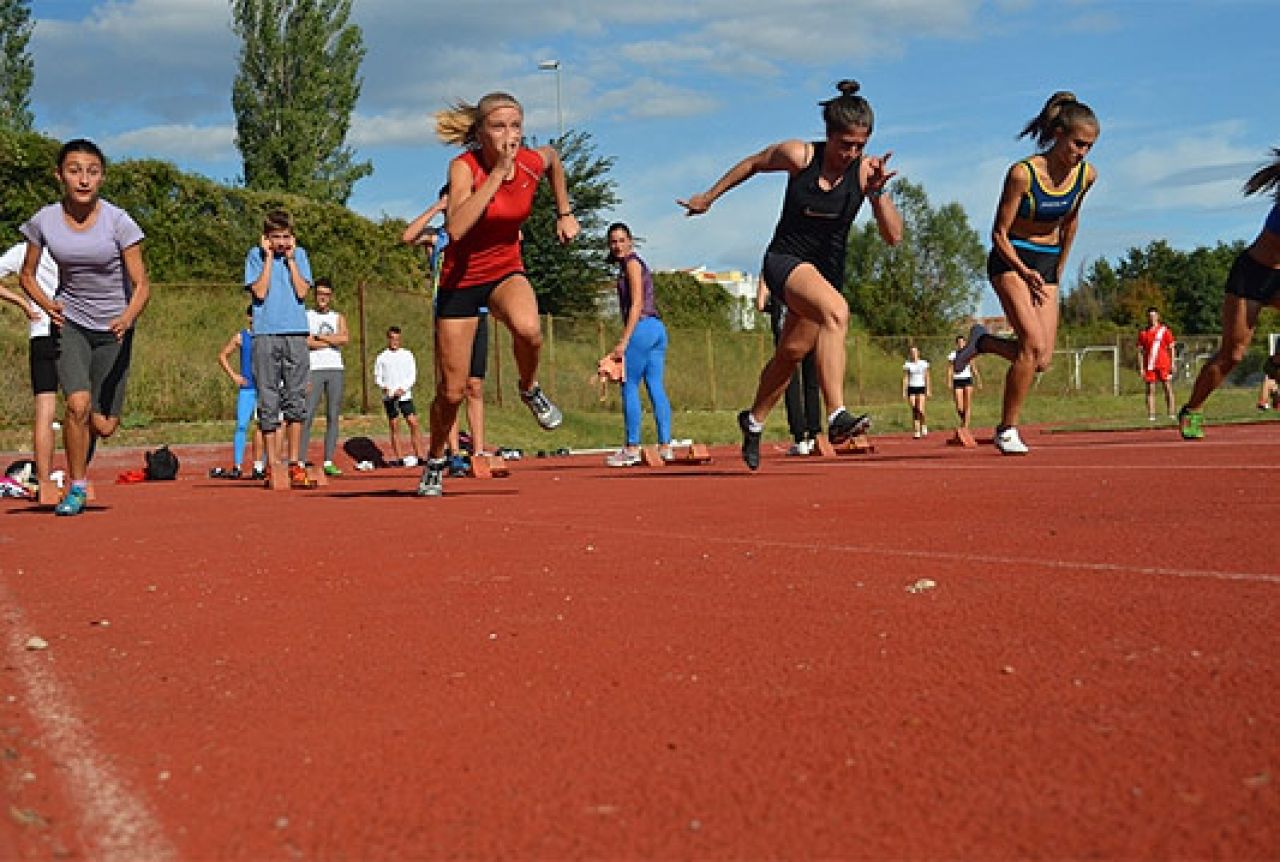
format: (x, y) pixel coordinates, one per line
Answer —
(576, 662)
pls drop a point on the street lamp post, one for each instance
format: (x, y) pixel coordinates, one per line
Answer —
(554, 66)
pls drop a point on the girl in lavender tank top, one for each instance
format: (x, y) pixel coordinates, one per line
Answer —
(642, 348)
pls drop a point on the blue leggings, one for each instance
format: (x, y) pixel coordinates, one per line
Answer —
(645, 359)
(246, 403)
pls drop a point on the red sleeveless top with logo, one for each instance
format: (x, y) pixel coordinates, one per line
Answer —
(491, 249)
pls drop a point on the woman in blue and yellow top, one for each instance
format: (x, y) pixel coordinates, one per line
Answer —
(1035, 225)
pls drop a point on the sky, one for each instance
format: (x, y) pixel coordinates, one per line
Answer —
(677, 91)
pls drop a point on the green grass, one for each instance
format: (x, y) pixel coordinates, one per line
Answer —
(511, 425)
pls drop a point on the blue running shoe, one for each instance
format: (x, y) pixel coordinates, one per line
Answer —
(73, 503)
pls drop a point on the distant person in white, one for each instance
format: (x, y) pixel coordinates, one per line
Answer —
(916, 388)
(42, 351)
(395, 371)
(327, 332)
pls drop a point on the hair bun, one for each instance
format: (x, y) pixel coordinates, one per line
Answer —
(848, 87)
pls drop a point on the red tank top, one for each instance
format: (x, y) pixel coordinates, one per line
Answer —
(491, 249)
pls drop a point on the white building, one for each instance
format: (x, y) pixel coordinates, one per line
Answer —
(739, 285)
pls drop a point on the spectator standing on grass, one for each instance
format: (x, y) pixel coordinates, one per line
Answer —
(42, 352)
(277, 274)
(102, 289)
(804, 263)
(961, 382)
(395, 371)
(491, 190)
(241, 343)
(1155, 361)
(1035, 226)
(327, 332)
(803, 398)
(1254, 283)
(642, 347)
(917, 388)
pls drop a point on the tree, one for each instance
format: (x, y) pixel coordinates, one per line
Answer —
(688, 302)
(16, 69)
(293, 96)
(567, 278)
(926, 283)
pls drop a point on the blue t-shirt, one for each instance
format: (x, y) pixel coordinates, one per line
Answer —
(282, 312)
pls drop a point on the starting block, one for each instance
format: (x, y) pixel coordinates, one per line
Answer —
(859, 444)
(685, 455)
(963, 437)
(487, 467)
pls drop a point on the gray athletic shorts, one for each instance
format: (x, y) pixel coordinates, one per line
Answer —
(93, 361)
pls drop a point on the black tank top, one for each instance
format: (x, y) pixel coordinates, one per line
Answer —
(814, 225)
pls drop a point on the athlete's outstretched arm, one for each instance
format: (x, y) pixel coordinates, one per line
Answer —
(790, 156)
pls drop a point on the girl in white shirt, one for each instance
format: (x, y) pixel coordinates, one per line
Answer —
(916, 388)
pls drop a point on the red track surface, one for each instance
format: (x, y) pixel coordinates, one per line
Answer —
(577, 662)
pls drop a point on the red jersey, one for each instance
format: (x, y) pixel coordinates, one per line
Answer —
(1156, 344)
(491, 249)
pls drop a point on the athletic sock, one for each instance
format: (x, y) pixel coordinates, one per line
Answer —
(753, 424)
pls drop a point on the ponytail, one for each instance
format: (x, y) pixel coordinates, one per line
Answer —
(457, 124)
(1267, 178)
(1062, 111)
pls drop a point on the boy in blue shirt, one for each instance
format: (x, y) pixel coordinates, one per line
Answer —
(278, 276)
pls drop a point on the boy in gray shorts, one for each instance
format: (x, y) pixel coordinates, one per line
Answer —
(277, 274)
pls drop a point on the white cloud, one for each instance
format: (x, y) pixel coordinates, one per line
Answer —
(182, 143)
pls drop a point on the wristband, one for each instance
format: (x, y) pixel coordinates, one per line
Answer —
(565, 213)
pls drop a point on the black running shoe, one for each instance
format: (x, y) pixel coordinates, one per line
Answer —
(845, 426)
(750, 441)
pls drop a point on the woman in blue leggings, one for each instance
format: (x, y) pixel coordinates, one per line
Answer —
(642, 347)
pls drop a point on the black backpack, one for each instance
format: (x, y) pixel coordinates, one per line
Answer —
(162, 465)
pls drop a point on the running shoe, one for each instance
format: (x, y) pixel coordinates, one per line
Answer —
(298, 476)
(965, 354)
(666, 452)
(800, 448)
(1009, 442)
(750, 441)
(73, 503)
(1191, 424)
(259, 474)
(845, 426)
(432, 482)
(332, 469)
(547, 414)
(458, 466)
(623, 458)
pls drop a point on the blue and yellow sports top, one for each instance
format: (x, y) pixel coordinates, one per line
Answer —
(1040, 205)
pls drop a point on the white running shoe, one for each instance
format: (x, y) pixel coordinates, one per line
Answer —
(916, 434)
(1009, 443)
(410, 461)
(801, 447)
(623, 458)
(965, 354)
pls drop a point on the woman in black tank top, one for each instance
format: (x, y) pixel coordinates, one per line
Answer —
(804, 264)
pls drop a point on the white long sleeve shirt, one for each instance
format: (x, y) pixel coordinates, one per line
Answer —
(395, 369)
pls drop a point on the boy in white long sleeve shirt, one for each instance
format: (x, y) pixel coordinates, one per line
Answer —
(395, 372)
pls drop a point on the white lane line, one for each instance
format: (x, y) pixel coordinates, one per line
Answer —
(115, 823)
(943, 556)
